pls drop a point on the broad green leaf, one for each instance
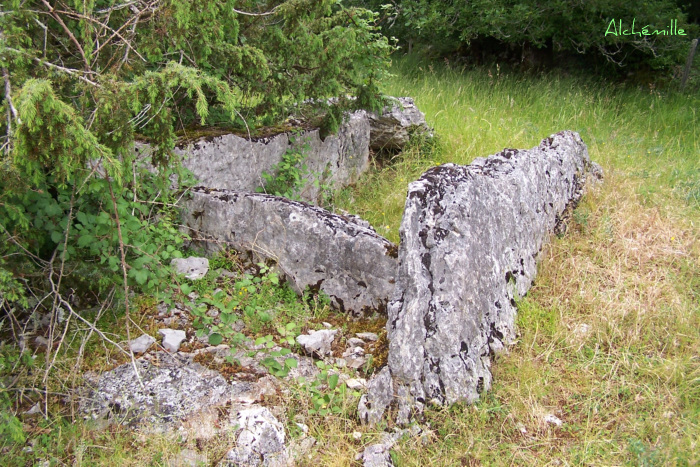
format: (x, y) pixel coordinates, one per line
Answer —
(215, 338)
(333, 381)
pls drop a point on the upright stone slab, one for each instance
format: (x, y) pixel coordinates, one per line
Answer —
(469, 239)
(234, 162)
(313, 247)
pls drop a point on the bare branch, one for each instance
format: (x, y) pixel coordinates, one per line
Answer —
(122, 252)
(267, 13)
(114, 32)
(118, 7)
(11, 110)
(58, 18)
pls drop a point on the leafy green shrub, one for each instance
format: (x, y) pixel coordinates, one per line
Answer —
(288, 177)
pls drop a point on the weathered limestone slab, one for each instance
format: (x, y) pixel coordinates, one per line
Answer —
(313, 247)
(233, 162)
(469, 239)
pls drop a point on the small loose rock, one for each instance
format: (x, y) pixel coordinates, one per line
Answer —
(141, 344)
(193, 267)
(172, 338)
(319, 342)
(553, 420)
(367, 336)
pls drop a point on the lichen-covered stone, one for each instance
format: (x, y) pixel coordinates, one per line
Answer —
(260, 440)
(469, 239)
(312, 247)
(392, 128)
(158, 395)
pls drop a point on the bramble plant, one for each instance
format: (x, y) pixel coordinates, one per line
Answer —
(287, 177)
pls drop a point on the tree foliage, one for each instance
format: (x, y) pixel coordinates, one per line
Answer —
(83, 79)
(561, 26)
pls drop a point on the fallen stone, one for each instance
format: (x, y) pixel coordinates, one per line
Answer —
(354, 357)
(319, 342)
(314, 248)
(300, 449)
(157, 396)
(367, 336)
(193, 267)
(141, 344)
(355, 342)
(553, 420)
(392, 128)
(469, 239)
(172, 338)
(379, 454)
(582, 330)
(303, 427)
(33, 410)
(260, 440)
(356, 383)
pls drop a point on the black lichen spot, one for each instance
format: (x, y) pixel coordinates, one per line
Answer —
(341, 305)
(495, 332)
(362, 284)
(392, 250)
(508, 153)
(425, 259)
(480, 385)
(429, 321)
(440, 234)
(423, 235)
